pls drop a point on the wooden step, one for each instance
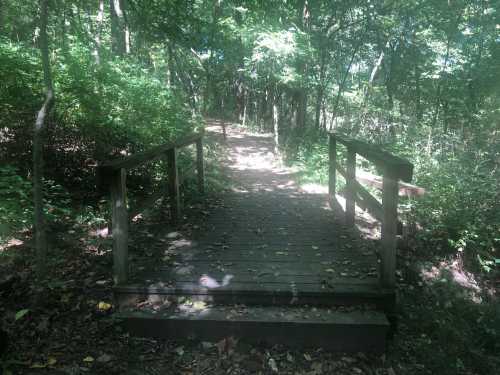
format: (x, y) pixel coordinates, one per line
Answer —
(272, 294)
(353, 331)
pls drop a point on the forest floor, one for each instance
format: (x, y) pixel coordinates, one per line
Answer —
(65, 325)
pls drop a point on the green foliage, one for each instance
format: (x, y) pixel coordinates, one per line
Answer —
(16, 206)
(447, 332)
(118, 103)
(15, 201)
(461, 211)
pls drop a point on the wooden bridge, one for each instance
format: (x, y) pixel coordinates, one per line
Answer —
(273, 262)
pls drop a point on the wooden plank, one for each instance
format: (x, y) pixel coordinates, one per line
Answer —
(199, 166)
(173, 185)
(399, 167)
(367, 288)
(265, 279)
(350, 205)
(405, 189)
(120, 226)
(332, 160)
(339, 294)
(276, 268)
(366, 201)
(389, 231)
(135, 160)
(346, 332)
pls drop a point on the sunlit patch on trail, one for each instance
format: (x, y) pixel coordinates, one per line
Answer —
(211, 283)
(312, 188)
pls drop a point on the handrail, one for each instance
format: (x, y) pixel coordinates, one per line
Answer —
(393, 169)
(132, 161)
(400, 168)
(115, 173)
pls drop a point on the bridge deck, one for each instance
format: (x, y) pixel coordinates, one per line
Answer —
(269, 242)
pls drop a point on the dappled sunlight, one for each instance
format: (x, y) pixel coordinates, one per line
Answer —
(211, 283)
(366, 224)
(245, 158)
(312, 188)
(10, 243)
(453, 273)
(99, 232)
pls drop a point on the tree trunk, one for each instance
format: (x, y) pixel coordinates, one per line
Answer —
(439, 91)
(301, 98)
(276, 122)
(98, 31)
(319, 102)
(38, 143)
(342, 86)
(118, 27)
(418, 94)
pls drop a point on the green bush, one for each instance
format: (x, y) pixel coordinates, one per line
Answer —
(16, 202)
(461, 210)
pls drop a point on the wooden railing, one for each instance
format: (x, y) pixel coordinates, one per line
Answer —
(393, 170)
(114, 174)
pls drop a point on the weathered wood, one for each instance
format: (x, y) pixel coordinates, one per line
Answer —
(135, 160)
(199, 166)
(120, 226)
(335, 331)
(400, 168)
(332, 176)
(173, 185)
(264, 294)
(350, 204)
(389, 231)
(364, 199)
(405, 189)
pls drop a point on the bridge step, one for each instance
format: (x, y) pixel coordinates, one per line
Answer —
(270, 295)
(290, 326)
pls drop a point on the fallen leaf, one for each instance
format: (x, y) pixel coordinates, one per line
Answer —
(21, 313)
(38, 365)
(51, 361)
(307, 357)
(88, 359)
(104, 306)
(330, 270)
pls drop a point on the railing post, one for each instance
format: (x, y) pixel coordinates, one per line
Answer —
(119, 219)
(350, 201)
(332, 174)
(199, 165)
(389, 230)
(173, 185)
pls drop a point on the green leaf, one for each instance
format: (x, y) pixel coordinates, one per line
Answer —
(21, 313)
